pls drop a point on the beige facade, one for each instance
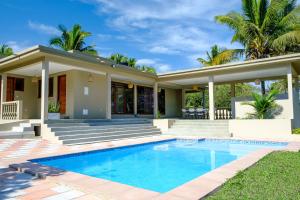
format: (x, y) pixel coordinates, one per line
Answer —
(89, 79)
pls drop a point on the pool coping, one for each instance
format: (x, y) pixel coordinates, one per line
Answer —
(197, 188)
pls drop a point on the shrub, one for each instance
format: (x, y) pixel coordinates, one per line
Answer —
(53, 107)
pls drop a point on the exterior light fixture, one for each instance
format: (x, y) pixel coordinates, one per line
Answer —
(195, 87)
(34, 79)
(257, 82)
(159, 89)
(90, 78)
(130, 85)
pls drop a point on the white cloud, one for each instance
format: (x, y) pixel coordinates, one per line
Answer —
(169, 27)
(162, 50)
(145, 62)
(42, 28)
(160, 67)
(18, 46)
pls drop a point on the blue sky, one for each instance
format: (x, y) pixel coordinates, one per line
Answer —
(166, 34)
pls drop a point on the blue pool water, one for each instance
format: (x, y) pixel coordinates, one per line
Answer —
(159, 166)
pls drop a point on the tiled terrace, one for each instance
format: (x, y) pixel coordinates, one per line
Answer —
(68, 185)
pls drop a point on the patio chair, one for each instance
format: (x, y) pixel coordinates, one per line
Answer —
(200, 113)
(192, 113)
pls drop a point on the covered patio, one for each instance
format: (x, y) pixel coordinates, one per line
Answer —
(253, 72)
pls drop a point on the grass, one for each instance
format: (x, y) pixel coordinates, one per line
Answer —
(276, 176)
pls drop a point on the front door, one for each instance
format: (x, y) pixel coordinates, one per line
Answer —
(10, 89)
(62, 93)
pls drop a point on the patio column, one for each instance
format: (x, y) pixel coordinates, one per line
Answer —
(108, 97)
(211, 98)
(203, 98)
(3, 91)
(155, 100)
(290, 91)
(232, 91)
(135, 100)
(44, 92)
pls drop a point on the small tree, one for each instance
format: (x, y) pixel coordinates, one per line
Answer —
(264, 105)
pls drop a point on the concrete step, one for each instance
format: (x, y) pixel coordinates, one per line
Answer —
(201, 128)
(200, 125)
(87, 127)
(54, 125)
(99, 134)
(108, 138)
(65, 121)
(16, 135)
(95, 130)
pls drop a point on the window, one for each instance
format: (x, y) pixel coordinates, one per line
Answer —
(161, 102)
(19, 84)
(50, 88)
(145, 100)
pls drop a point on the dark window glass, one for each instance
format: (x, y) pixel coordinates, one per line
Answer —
(19, 84)
(50, 89)
(121, 99)
(145, 100)
(39, 88)
(161, 102)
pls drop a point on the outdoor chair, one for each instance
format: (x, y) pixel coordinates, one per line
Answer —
(200, 113)
(192, 113)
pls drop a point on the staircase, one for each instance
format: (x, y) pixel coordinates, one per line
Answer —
(71, 132)
(19, 129)
(202, 128)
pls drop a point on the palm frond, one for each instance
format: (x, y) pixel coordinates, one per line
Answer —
(286, 40)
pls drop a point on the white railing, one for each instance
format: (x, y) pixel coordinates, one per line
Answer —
(11, 110)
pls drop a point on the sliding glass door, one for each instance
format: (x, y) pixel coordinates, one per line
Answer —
(122, 99)
(145, 100)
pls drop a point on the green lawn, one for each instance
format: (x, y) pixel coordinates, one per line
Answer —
(276, 176)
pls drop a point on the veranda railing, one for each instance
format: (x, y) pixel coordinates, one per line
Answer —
(11, 110)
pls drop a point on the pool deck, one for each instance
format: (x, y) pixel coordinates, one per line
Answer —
(53, 184)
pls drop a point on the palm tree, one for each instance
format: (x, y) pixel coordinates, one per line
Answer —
(131, 62)
(264, 105)
(146, 68)
(218, 56)
(73, 39)
(118, 58)
(265, 27)
(5, 50)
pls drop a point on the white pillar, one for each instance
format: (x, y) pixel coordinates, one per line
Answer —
(108, 98)
(211, 98)
(232, 91)
(44, 92)
(155, 100)
(135, 100)
(290, 91)
(3, 91)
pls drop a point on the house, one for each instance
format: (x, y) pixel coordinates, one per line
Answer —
(92, 87)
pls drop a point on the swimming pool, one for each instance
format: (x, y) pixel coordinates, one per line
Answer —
(157, 166)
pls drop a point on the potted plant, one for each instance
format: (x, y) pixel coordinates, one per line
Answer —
(53, 110)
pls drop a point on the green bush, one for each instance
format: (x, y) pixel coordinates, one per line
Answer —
(296, 131)
(53, 107)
